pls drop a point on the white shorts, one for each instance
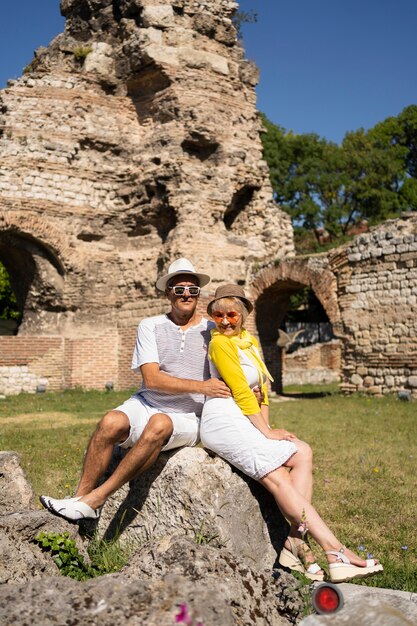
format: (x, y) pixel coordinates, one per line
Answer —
(229, 433)
(186, 425)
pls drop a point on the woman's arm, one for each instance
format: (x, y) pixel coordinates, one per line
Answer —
(223, 353)
(265, 414)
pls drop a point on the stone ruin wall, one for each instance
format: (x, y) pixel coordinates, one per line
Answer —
(271, 290)
(377, 294)
(317, 364)
(134, 139)
(368, 288)
(131, 140)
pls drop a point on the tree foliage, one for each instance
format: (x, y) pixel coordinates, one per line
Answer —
(8, 304)
(371, 176)
(243, 17)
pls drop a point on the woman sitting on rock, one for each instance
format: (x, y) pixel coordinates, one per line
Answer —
(238, 430)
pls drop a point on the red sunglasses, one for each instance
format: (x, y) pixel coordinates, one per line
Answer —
(232, 316)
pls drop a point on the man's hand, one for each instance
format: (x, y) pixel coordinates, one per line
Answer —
(280, 434)
(259, 395)
(216, 388)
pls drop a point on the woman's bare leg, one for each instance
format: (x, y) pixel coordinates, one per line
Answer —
(295, 507)
(301, 469)
(301, 477)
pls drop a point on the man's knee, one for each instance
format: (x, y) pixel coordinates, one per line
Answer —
(159, 428)
(114, 426)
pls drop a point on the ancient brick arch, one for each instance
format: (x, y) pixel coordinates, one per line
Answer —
(37, 258)
(272, 289)
(27, 225)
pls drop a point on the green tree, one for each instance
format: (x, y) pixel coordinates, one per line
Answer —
(8, 304)
(400, 134)
(371, 176)
(307, 176)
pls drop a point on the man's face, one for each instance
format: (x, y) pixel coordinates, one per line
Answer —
(184, 304)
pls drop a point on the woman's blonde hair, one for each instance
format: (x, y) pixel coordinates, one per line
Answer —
(225, 303)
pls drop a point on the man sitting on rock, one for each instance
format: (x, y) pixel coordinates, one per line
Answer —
(171, 354)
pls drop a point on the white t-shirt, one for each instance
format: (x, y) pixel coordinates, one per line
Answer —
(182, 354)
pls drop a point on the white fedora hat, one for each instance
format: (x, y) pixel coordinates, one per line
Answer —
(181, 266)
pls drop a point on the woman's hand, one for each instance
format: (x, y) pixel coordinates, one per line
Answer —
(259, 395)
(280, 433)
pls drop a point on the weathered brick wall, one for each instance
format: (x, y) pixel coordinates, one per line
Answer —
(26, 362)
(369, 292)
(377, 293)
(368, 288)
(114, 164)
(60, 363)
(271, 289)
(318, 363)
(67, 362)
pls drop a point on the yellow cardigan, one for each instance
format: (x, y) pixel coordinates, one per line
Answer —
(223, 353)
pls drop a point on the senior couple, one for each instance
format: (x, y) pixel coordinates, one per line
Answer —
(193, 367)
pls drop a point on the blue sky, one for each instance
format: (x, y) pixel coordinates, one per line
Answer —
(327, 66)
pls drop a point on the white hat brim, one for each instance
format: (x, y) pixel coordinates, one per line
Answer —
(161, 283)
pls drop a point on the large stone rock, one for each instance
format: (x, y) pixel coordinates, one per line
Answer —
(16, 493)
(215, 585)
(236, 596)
(191, 492)
(21, 558)
(255, 597)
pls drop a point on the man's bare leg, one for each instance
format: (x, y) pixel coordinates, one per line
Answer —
(139, 458)
(112, 429)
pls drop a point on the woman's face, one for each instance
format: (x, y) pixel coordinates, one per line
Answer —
(228, 320)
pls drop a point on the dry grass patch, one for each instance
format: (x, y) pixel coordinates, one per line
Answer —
(51, 420)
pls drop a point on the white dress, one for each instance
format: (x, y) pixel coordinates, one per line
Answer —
(229, 433)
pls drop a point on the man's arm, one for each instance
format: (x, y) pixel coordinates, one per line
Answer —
(160, 381)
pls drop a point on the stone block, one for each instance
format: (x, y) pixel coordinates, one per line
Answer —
(149, 36)
(15, 492)
(189, 491)
(200, 59)
(375, 390)
(357, 380)
(161, 54)
(158, 16)
(100, 60)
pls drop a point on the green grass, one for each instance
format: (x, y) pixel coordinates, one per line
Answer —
(51, 431)
(365, 453)
(365, 460)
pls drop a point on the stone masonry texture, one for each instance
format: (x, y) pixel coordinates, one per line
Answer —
(131, 140)
(368, 288)
(377, 294)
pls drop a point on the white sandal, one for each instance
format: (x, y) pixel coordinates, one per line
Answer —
(345, 570)
(290, 559)
(71, 509)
